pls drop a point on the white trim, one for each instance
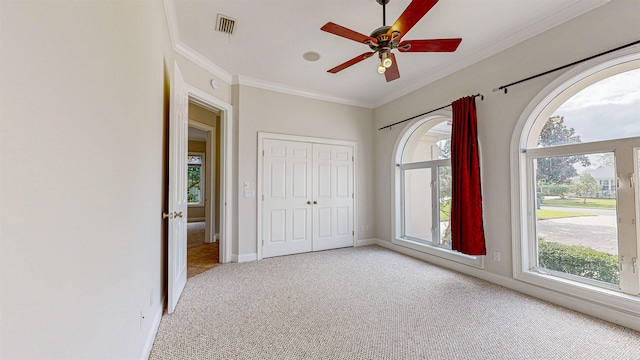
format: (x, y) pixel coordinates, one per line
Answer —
(205, 63)
(226, 211)
(366, 242)
(210, 173)
(244, 257)
(541, 106)
(285, 89)
(315, 140)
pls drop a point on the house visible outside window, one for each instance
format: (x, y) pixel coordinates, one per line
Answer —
(581, 166)
(423, 189)
(195, 179)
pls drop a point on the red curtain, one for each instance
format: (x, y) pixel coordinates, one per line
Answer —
(467, 230)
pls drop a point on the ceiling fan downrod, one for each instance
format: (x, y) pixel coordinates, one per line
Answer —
(384, 11)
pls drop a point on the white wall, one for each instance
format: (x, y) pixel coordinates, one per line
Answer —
(81, 149)
(263, 110)
(610, 26)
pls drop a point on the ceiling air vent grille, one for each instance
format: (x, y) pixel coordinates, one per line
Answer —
(225, 24)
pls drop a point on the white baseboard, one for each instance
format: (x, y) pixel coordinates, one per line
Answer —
(244, 257)
(153, 330)
(365, 242)
(567, 301)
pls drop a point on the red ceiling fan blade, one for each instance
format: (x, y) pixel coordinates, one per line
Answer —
(411, 15)
(392, 72)
(353, 61)
(347, 33)
(435, 45)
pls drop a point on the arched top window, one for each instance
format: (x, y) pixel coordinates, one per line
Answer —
(577, 193)
(605, 110)
(429, 141)
(422, 204)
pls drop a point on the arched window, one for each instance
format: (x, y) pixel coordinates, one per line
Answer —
(577, 193)
(423, 188)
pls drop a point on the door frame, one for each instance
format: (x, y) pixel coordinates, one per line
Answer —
(225, 212)
(314, 140)
(210, 211)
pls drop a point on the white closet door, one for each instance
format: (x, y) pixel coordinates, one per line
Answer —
(286, 214)
(333, 196)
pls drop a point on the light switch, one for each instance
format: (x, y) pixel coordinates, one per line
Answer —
(249, 193)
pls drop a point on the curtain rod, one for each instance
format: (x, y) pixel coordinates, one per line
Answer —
(428, 112)
(504, 87)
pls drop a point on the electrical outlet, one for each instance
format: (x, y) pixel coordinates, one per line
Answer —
(496, 256)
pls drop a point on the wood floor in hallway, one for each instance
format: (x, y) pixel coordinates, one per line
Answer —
(201, 258)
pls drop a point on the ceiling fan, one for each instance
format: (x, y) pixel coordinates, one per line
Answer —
(386, 38)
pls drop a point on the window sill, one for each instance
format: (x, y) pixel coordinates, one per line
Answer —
(475, 261)
(604, 297)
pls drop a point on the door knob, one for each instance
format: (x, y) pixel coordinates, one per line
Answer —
(308, 202)
(177, 214)
(167, 216)
(315, 203)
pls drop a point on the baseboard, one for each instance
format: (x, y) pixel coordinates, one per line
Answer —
(153, 330)
(244, 257)
(567, 301)
(366, 242)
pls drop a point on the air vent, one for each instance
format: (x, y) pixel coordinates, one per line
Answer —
(225, 24)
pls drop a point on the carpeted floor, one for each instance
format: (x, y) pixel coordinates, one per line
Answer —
(372, 303)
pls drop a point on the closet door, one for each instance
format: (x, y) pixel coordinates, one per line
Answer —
(286, 213)
(333, 196)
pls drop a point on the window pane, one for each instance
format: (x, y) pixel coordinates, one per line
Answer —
(417, 204)
(444, 181)
(606, 110)
(576, 216)
(195, 160)
(194, 175)
(430, 141)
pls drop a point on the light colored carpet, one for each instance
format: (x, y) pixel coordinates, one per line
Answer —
(195, 234)
(372, 303)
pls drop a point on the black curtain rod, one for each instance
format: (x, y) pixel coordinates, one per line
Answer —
(428, 112)
(504, 87)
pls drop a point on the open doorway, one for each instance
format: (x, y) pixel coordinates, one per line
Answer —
(203, 190)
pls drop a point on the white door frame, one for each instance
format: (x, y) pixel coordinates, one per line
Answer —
(314, 140)
(225, 211)
(210, 211)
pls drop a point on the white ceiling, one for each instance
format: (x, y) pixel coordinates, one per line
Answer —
(272, 35)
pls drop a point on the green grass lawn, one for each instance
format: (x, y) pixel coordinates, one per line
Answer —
(609, 204)
(557, 214)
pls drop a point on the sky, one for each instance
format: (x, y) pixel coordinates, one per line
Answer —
(606, 110)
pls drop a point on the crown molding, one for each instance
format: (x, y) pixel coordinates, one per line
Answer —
(205, 63)
(572, 11)
(261, 84)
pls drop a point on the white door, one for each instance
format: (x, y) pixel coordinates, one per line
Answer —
(286, 215)
(333, 196)
(307, 197)
(177, 212)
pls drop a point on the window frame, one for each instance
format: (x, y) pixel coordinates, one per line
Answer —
(523, 187)
(398, 193)
(202, 180)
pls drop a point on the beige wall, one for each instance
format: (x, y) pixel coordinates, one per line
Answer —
(602, 29)
(263, 110)
(81, 233)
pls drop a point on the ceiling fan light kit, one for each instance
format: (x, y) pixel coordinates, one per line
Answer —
(386, 38)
